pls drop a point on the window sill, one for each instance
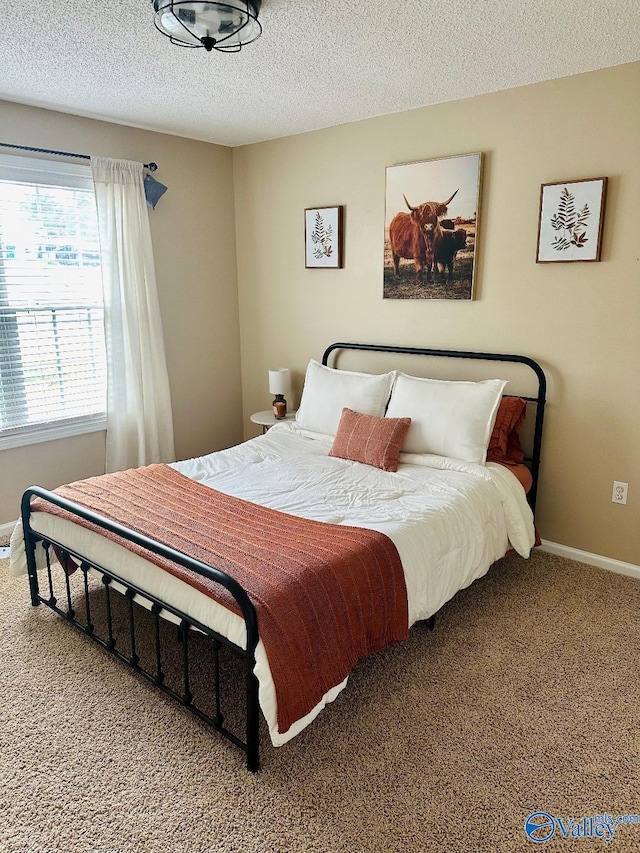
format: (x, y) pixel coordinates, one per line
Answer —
(39, 433)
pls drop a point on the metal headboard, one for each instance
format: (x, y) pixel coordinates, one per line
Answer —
(539, 399)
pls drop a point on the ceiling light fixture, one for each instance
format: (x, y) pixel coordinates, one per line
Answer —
(212, 25)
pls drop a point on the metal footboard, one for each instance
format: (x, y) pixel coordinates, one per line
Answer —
(62, 602)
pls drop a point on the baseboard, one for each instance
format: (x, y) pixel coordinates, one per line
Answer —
(629, 569)
(6, 530)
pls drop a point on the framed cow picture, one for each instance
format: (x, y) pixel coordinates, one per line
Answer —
(431, 228)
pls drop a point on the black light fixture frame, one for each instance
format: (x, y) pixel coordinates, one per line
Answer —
(249, 7)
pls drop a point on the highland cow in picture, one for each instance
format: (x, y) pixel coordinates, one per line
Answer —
(415, 235)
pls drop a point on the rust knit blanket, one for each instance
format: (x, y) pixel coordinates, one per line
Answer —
(325, 594)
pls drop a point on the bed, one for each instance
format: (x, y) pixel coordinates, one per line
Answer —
(437, 519)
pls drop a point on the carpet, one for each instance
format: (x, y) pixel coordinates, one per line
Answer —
(525, 698)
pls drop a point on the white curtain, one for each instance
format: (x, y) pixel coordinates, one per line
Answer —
(139, 418)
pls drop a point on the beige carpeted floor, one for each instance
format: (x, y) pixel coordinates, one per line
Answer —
(525, 698)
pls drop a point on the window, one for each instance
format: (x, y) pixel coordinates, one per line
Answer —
(52, 351)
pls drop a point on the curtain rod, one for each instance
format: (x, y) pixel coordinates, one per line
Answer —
(150, 166)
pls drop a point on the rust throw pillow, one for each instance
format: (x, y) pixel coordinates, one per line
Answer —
(369, 439)
(504, 444)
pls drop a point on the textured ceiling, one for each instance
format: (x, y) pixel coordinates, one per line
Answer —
(318, 63)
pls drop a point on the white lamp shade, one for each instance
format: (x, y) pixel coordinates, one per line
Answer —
(279, 381)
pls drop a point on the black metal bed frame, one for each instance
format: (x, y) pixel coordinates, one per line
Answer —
(135, 594)
(156, 606)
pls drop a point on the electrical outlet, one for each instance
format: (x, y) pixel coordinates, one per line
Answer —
(619, 495)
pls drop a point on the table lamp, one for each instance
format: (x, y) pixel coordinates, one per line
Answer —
(279, 384)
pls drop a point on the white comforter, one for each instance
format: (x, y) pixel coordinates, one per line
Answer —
(449, 521)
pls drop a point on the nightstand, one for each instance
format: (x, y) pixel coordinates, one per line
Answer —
(267, 419)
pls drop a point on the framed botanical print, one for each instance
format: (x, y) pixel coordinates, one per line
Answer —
(323, 237)
(571, 220)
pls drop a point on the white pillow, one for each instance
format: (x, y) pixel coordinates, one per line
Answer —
(451, 419)
(328, 391)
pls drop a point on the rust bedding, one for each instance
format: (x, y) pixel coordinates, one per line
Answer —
(521, 473)
(325, 594)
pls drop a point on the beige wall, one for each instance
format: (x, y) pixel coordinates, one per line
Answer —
(194, 247)
(581, 321)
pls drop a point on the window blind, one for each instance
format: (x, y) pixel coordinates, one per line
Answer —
(52, 352)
